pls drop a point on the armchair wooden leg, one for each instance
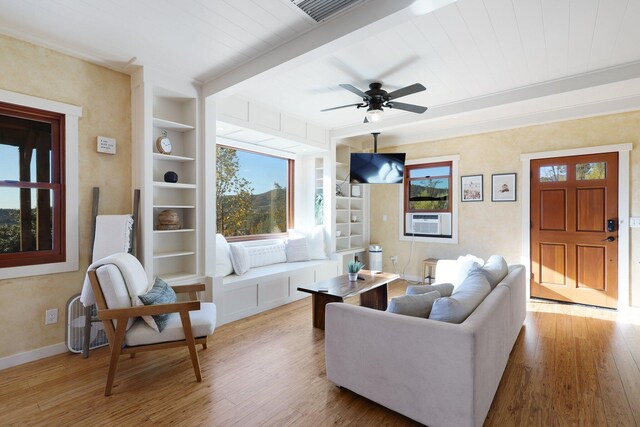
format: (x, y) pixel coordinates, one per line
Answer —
(191, 343)
(204, 345)
(115, 354)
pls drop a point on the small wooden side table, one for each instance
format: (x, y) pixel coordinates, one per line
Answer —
(428, 270)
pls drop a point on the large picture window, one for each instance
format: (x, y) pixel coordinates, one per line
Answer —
(32, 192)
(254, 194)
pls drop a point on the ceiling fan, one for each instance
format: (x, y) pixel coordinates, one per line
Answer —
(376, 98)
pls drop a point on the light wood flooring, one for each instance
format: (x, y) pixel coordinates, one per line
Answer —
(571, 366)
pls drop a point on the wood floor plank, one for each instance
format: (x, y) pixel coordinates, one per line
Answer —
(570, 365)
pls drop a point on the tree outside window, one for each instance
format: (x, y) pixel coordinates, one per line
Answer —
(253, 194)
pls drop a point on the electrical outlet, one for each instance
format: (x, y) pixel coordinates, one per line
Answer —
(394, 259)
(634, 222)
(51, 316)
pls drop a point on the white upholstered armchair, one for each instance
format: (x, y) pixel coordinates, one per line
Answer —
(119, 287)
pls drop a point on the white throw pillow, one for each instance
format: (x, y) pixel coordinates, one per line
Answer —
(239, 258)
(224, 267)
(495, 269)
(272, 253)
(315, 240)
(465, 298)
(464, 265)
(297, 250)
(413, 305)
(445, 289)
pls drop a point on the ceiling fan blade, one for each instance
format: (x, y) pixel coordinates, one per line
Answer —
(341, 106)
(414, 88)
(406, 107)
(354, 89)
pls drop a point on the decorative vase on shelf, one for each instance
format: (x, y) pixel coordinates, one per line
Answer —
(171, 177)
(168, 220)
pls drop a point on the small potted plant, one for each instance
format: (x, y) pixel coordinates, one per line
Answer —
(353, 268)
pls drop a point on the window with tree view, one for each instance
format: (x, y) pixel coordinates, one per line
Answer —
(31, 186)
(254, 194)
(428, 187)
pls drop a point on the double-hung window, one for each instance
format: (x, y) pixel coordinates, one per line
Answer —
(32, 189)
(254, 194)
(428, 207)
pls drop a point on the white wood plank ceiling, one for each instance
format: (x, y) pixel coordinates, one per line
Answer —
(469, 49)
(463, 52)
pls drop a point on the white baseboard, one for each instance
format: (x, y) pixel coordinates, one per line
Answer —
(31, 355)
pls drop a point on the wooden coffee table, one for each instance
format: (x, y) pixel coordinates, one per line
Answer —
(371, 287)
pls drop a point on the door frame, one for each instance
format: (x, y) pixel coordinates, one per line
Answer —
(623, 151)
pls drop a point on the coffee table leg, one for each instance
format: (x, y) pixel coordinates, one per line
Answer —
(318, 303)
(375, 298)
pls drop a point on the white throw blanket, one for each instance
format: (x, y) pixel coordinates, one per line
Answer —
(124, 262)
(113, 235)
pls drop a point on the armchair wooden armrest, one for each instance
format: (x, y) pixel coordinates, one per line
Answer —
(191, 289)
(148, 310)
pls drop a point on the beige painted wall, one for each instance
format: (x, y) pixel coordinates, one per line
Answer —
(105, 98)
(487, 228)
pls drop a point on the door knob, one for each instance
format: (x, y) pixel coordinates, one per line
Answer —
(609, 239)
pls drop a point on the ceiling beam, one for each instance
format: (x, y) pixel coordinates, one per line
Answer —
(557, 87)
(354, 25)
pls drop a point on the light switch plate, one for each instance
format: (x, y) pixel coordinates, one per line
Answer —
(634, 222)
(106, 145)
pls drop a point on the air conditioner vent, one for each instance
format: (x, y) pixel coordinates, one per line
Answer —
(319, 10)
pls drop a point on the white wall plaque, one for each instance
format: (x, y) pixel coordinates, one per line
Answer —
(106, 145)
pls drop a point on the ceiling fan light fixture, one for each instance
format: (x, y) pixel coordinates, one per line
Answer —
(375, 114)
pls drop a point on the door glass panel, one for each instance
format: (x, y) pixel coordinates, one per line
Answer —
(594, 170)
(553, 173)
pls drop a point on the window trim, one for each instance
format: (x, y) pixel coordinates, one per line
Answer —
(454, 204)
(407, 181)
(70, 129)
(58, 251)
(290, 199)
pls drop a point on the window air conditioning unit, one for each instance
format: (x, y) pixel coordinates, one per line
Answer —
(431, 224)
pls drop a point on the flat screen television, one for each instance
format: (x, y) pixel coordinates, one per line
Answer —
(377, 168)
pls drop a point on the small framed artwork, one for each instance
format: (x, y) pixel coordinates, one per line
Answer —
(472, 188)
(503, 187)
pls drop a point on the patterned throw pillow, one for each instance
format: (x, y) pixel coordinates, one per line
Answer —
(160, 293)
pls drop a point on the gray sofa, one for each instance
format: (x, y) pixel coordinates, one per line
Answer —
(437, 373)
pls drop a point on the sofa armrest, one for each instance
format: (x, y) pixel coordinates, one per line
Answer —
(419, 367)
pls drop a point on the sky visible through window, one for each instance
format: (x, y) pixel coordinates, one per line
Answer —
(262, 171)
(9, 171)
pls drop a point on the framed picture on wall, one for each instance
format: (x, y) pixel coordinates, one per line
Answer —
(503, 187)
(472, 188)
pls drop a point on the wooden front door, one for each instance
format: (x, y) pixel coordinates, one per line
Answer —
(574, 229)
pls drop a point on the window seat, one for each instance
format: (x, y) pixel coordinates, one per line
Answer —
(266, 287)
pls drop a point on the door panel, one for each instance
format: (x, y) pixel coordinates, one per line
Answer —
(554, 262)
(552, 209)
(573, 256)
(591, 267)
(591, 209)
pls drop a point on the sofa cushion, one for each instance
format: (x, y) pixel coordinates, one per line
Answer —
(413, 305)
(239, 258)
(315, 240)
(224, 267)
(297, 250)
(272, 253)
(160, 293)
(445, 289)
(464, 299)
(455, 271)
(495, 269)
